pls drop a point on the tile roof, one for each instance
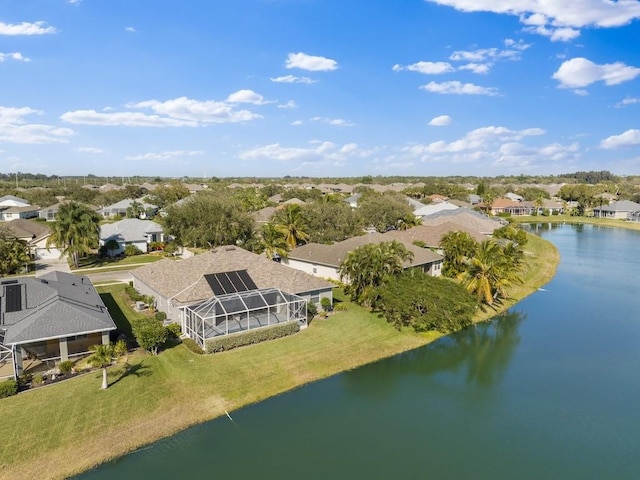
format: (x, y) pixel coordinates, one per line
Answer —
(183, 281)
(55, 305)
(333, 255)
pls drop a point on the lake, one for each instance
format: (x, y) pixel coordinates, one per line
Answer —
(550, 390)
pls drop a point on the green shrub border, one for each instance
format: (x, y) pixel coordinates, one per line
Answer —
(192, 345)
(8, 388)
(235, 340)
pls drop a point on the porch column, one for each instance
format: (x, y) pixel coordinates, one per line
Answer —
(18, 369)
(64, 350)
(105, 338)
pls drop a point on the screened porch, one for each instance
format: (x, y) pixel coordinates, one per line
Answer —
(243, 311)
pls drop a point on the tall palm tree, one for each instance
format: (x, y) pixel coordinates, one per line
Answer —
(76, 231)
(101, 357)
(273, 242)
(457, 247)
(368, 266)
(291, 224)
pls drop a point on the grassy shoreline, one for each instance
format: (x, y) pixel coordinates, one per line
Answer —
(73, 426)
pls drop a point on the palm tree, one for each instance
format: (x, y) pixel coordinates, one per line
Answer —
(290, 223)
(368, 266)
(457, 247)
(273, 242)
(101, 358)
(14, 253)
(76, 230)
(408, 221)
(491, 271)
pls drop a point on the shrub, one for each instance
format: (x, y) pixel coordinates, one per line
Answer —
(160, 316)
(37, 380)
(341, 307)
(133, 294)
(312, 310)
(325, 302)
(149, 333)
(65, 367)
(253, 336)
(24, 379)
(120, 348)
(192, 345)
(131, 250)
(173, 330)
(8, 388)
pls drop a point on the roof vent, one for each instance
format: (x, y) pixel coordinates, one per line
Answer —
(44, 281)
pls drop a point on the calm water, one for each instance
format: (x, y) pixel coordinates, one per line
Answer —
(549, 391)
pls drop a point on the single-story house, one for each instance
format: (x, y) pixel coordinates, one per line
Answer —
(431, 235)
(552, 206)
(325, 260)
(12, 208)
(434, 208)
(35, 235)
(263, 215)
(57, 316)
(120, 209)
(619, 210)
(228, 290)
(466, 218)
(131, 231)
(511, 207)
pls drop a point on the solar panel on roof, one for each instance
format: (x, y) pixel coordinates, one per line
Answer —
(230, 282)
(13, 295)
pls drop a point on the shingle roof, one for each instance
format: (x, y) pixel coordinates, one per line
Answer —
(57, 304)
(122, 205)
(11, 200)
(465, 217)
(432, 234)
(26, 229)
(333, 255)
(620, 206)
(434, 208)
(184, 282)
(129, 230)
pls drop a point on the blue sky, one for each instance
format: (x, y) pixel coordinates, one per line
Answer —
(319, 87)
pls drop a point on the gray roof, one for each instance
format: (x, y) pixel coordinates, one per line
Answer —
(13, 198)
(620, 206)
(183, 281)
(129, 230)
(122, 206)
(431, 235)
(27, 230)
(465, 217)
(55, 305)
(333, 255)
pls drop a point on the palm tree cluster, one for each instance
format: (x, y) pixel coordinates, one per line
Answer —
(369, 266)
(76, 230)
(14, 253)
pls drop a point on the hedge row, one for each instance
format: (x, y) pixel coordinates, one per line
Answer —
(252, 336)
(8, 388)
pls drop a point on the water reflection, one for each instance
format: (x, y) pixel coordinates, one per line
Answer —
(480, 354)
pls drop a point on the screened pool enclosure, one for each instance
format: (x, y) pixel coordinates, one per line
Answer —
(243, 311)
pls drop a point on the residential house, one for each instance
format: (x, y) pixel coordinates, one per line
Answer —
(57, 316)
(35, 235)
(12, 208)
(223, 280)
(620, 209)
(510, 207)
(325, 260)
(466, 218)
(263, 215)
(514, 197)
(434, 208)
(131, 231)
(121, 208)
(430, 236)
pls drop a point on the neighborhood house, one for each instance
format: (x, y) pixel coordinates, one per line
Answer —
(130, 231)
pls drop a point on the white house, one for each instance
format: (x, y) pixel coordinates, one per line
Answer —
(12, 208)
(120, 208)
(131, 231)
(434, 208)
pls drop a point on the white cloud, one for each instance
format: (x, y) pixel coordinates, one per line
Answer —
(90, 150)
(556, 19)
(127, 119)
(178, 112)
(628, 138)
(581, 72)
(164, 156)
(310, 62)
(332, 121)
(289, 104)
(441, 121)
(457, 88)
(15, 129)
(628, 101)
(319, 152)
(130, 29)
(13, 56)
(513, 51)
(26, 28)
(247, 96)
(297, 123)
(427, 68)
(292, 79)
(476, 67)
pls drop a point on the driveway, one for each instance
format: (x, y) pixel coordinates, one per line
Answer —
(51, 264)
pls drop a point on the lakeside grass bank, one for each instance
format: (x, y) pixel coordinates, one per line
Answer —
(69, 427)
(602, 222)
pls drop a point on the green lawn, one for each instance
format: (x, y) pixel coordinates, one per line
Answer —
(94, 261)
(59, 430)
